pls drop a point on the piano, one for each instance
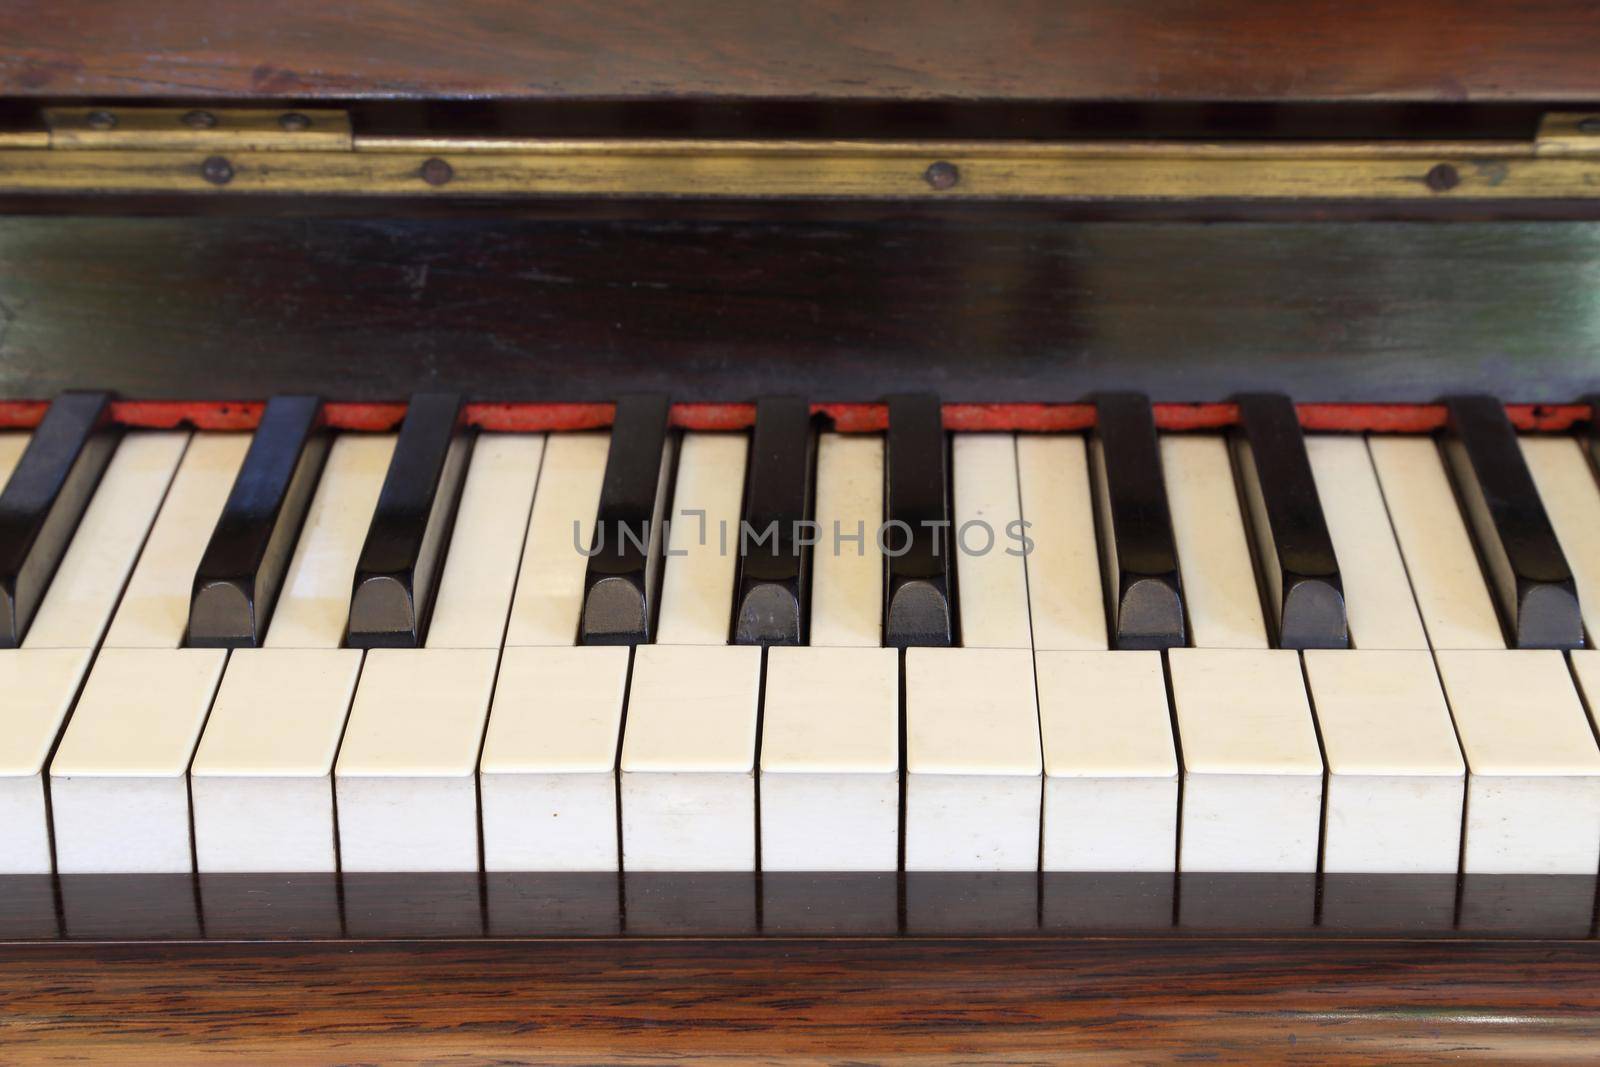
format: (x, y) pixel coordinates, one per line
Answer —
(1023, 556)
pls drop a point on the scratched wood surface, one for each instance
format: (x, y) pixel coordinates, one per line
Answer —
(1411, 50)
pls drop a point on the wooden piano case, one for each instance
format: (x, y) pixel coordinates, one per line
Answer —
(1363, 205)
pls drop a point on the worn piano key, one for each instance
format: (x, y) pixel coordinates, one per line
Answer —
(1445, 577)
(619, 586)
(39, 682)
(688, 759)
(1566, 483)
(1252, 795)
(973, 761)
(1395, 773)
(43, 500)
(1137, 547)
(1305, 597)
(697, 588)
(987, 540)
(830, 760)
(237, 582)
(1380, 610)
(1533, 770)
(549, 598)
(1111, 770)
(398, 572)
(547, 777)
(1529, 573)
(1219, 587)
(406, 776)
(261, 782)
(1067, 607)
(847, 568)
(118, 781)
(917, 610)
(774, 556)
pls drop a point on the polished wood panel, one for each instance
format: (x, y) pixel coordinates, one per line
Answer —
(982, 307)
(924, 1001)
(1414, 50)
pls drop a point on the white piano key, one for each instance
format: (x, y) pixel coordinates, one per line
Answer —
(830, 760)
(1111, 771)
(260, 783)
(119, 795)
(1439, 557)
(1379, 604)
(1533, 770)
(12, 444)
(549, 598)
(1571, 498)
(405, 777)
(39, 682)
(703, 544)
(92, 573)
(314, 603)
(547, 777)
(1066, 602)
(973, 761)
(688, 759)
(154, 611)
(847, 563)
(480, 568)
(1219, 578)
(1252, 796)
(1395, 774)
(991, 570)
(37, 688)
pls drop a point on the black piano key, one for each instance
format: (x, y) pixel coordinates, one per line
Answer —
(1293, 548)
(237, 582)
(403, 556)
(917, 607)
(770, 605)
(45, 498)
(619, 598)
(1525, 566)
(1141, 557)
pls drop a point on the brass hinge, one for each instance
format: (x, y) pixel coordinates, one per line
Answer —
(240, 151)
(199, 129)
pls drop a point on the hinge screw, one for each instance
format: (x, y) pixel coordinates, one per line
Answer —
(942, 175)
(199, 120)
(1442, 178)
(437, 172)
(294, 122)
(217, 170)
(101, 120)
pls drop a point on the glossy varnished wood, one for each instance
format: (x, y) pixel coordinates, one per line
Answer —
(1417, 50)
(924, 1001)
(984, 306)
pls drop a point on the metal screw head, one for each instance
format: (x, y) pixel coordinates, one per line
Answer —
(101, 120)
(199, 120)
(217, 170)
(437, 172)
(1442, 178)
(1589, 125)
(942, 175)
(294, 122)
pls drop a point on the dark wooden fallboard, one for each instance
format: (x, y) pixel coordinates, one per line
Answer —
(983, 305)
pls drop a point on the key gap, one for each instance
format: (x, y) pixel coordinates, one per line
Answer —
(1033, 652)
(1327, 776)
(761, 708)
(1183, 778)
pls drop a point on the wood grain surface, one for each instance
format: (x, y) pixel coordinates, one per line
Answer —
(1152, 50)
(926, 1001)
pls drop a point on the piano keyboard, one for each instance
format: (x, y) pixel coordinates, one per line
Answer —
(438, 650)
